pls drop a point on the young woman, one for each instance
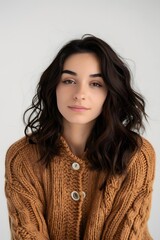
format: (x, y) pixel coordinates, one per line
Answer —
(82, 171)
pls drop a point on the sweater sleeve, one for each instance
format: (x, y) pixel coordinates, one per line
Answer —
(127, 219)
(25, 198)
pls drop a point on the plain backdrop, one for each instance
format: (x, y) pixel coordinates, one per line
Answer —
(31, 33)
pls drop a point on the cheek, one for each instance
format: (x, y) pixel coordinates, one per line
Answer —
(61, 97)
(105, 96)
(102, 98)
(101, 103)
(61, 91)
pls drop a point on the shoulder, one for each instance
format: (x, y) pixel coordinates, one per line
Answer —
(20, 154)
(17, 147)
(22, 147)
(142, 165)
(147, 147)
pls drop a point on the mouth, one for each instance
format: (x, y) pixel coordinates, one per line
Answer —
(78, 108)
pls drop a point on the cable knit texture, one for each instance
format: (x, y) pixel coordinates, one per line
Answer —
(41, 207)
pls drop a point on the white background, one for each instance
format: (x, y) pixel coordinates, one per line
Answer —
(31, 33)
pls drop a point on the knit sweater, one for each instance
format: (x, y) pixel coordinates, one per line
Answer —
(64, 200)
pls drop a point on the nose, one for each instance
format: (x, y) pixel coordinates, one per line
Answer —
(80, 93)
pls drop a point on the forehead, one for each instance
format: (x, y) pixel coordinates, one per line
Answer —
(82, 61)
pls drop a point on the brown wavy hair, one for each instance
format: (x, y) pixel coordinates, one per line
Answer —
(115, 136)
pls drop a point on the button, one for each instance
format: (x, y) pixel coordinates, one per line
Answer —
(83, 194)
(75, 196)
(75, 166)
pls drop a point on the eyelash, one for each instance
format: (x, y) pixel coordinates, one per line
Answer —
(70, 81)
(96, 84)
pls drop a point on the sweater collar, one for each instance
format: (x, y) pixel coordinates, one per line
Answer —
(67, 151)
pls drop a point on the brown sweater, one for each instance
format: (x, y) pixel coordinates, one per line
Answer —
(63, 201)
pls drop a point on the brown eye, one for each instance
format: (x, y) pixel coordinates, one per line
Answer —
(69, 81)
(96, 84)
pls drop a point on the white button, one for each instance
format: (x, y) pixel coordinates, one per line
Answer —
(83, 194)
(75, 166)
(75, 196)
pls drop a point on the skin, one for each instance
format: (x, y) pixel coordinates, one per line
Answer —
(80, 93)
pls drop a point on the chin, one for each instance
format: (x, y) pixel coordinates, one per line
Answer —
(80, 121)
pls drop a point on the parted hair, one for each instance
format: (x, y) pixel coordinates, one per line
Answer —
(115, 137)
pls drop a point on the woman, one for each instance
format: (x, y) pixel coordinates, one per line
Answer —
(82, 171)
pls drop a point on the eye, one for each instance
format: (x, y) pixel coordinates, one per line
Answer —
(68, 81)
(96, 84)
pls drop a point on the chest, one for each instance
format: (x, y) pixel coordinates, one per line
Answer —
(73, 200)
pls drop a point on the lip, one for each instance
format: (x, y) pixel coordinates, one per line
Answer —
(78, 108)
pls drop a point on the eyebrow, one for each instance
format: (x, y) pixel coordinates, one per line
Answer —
(75, 74)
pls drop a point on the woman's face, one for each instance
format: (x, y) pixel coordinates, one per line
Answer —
(81, 91)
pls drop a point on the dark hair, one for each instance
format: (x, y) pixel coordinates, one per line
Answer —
(115, 136)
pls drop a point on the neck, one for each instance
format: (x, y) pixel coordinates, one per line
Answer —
(76, 136)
